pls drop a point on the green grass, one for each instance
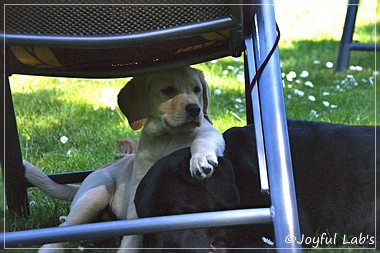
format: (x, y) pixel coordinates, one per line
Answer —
(85, 111)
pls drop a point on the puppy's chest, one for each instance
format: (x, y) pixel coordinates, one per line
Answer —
(153, 149)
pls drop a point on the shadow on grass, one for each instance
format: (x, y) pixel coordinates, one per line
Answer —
(43, 119)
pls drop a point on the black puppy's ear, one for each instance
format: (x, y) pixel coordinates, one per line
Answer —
(161, 178)
(221, 184)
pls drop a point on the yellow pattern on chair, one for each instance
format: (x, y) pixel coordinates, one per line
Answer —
(212, 38)
(39, 57)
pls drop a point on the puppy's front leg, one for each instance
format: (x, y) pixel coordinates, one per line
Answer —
(208, 144)
(130, 244)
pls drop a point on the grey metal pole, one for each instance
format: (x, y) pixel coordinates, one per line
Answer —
(256, 110)
(136, 226)
(280, 172)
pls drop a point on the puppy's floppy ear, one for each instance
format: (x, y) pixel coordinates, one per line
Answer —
(163, 178)
(221, 184)
(206, 95)
(132, 100)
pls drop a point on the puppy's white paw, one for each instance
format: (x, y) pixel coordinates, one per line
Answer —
(202, 165)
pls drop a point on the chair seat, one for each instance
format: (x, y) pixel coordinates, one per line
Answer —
(114, 62)
(94, 20)
(117, 40)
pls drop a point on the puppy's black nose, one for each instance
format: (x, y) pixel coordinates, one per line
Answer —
(193, 110)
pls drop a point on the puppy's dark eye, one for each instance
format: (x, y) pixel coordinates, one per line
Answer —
(197, 89)
(169, 90)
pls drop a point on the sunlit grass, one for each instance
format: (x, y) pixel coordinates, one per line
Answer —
(324, 19)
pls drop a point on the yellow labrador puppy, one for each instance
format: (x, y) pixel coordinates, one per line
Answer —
(171, 106)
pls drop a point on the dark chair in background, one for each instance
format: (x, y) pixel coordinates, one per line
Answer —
(346, 43)
(122, 40)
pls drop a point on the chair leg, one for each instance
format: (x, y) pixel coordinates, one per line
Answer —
(275, 132)
(11, 158)
(254, 112)
(346, 40)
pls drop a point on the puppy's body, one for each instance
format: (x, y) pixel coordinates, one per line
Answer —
(204, 142)
(172, 109)
(334, 170)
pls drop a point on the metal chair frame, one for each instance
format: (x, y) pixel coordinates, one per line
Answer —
(268, 112)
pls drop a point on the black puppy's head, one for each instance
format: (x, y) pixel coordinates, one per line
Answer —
(168, 188)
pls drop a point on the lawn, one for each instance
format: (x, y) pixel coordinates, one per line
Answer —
(68, 124)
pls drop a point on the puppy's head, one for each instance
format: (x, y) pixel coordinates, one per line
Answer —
(176, 98)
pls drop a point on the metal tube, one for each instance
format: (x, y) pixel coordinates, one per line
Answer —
(364, 47)
(261, 157)
(281, 182)
(118, 40)
(136, 226)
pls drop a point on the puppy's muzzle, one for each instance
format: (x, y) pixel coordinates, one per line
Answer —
(193, 110)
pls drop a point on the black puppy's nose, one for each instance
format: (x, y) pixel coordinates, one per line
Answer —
(193, 110)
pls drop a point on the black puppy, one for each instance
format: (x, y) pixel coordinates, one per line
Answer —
(334, 169)
(182, 194)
